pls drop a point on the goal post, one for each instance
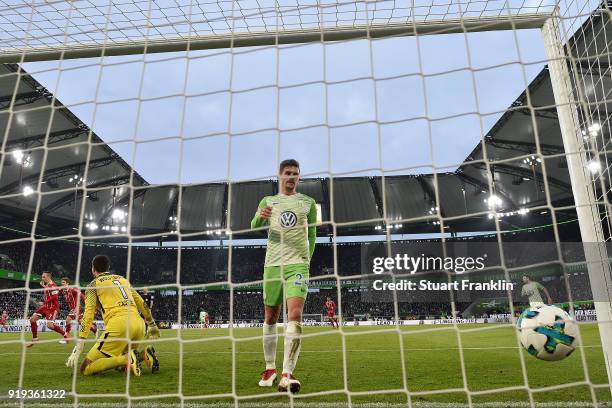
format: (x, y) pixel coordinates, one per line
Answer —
(271, 37)
(587, 207)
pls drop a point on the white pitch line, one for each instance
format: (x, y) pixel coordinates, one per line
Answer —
(317, 351)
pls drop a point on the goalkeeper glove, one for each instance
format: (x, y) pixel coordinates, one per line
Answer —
(76, 352)
(153, 330)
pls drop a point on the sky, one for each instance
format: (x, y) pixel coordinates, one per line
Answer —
(407, 105)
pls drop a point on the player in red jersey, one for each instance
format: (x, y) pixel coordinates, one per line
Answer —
(204, 319)
(4, 320)
(330, 305)
(48, 309)
(73, 297)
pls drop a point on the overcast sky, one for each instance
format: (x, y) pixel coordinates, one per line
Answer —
(403, 105)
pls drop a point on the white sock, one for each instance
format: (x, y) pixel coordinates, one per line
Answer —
(270, 338)
(293, 341)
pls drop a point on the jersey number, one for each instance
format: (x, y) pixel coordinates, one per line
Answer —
(123, 293)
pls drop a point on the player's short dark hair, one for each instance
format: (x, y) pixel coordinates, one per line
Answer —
(65, 278)
(101, 263)
(288, 163)
(49, 272)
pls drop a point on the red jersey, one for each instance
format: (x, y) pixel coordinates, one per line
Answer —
(72, 296)
(330, 305)
(51, 296)
(3, 319)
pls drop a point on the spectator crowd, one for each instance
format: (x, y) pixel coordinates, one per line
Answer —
(201, 278)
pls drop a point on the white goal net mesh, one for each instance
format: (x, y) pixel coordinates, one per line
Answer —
(149, 131)
(68, 26)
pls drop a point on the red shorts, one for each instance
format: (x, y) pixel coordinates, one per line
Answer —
(75, 316)
(331, 314)
(47, 312)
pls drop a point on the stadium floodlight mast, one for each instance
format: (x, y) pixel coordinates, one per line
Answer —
(110, 40)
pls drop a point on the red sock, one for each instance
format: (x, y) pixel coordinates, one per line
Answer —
(58, 329)
(68, 328)
(34, 329)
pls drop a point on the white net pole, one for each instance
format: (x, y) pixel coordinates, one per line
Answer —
(582, 187)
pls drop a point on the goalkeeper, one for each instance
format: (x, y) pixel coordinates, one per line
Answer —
(291, 220)
(120, 306)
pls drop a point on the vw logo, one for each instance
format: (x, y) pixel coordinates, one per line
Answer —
(288, 219)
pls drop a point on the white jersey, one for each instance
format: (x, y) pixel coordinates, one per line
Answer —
(531, 290)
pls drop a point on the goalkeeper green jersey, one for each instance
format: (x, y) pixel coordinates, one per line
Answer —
(292, 232)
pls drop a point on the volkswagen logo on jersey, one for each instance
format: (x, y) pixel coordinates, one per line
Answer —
(288, 219)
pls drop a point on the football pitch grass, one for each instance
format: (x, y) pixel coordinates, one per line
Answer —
(363, 368)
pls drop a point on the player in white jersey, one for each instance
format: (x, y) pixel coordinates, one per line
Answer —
(290, 218)
(531, 290)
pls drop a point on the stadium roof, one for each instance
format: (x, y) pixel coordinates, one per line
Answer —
(204, 209)
(45, 138)
(358, 203)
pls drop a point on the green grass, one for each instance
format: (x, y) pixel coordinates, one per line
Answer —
(372, 368)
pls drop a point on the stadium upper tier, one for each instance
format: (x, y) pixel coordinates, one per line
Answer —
(205, 272)
(154, 265)
(520, 166)
(207, 209)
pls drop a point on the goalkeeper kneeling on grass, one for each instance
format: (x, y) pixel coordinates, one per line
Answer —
(121, 307)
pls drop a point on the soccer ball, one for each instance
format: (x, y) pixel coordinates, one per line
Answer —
(547, 332)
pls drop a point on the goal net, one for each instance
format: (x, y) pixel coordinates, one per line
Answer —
(456, 151)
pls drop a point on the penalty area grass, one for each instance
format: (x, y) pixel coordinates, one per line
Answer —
(428, 366)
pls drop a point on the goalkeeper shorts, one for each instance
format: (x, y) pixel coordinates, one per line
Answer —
(294, 280)
(114, 341)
